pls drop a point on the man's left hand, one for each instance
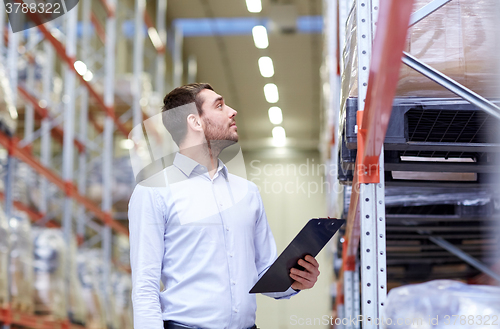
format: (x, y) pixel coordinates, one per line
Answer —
(307, 278)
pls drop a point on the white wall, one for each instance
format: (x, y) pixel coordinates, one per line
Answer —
(287, 212)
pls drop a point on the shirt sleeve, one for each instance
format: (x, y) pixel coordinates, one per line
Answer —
(147, 230)
(265, 251)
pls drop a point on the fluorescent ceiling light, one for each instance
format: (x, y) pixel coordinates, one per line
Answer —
(271, 93)
(259, 34)
(155, 38)
(254, 6)
(126, 144)
(80, 67)
(266, 66)
(275, 115)
(88, 75)
(279, 136)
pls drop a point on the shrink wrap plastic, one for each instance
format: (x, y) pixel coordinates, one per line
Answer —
(457, 40)
(122, 182)
(442, 304)
(122, 291)
(121, 250)
(77, 311)
(87, 273)
(21, 263)
(99, 311)
(4, 258)
(50, 272)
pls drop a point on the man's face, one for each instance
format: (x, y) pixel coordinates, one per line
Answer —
(218, 118)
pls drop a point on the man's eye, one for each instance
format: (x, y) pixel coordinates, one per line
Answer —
(220, 105)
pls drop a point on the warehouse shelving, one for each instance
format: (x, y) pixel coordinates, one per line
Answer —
(371, 146)
(82, 101)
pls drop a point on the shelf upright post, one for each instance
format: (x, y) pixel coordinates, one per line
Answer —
(69, 105)
(12, 55)
(107, 156)
(140, 7)
(29, 114)
(177, 56)
(356, 294)
(84, 104)
(371, 196)
(46, 138)
(161, 13)
(2, 27)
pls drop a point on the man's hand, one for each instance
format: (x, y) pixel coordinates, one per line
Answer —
(307, 278)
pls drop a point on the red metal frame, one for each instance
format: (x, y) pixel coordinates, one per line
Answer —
(388, 46)
(9, 316)
(372, 123)
(43, 113)
(70, 62)
(98, 28)
(11, 144)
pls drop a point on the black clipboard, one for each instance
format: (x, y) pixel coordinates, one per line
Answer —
(310, 240)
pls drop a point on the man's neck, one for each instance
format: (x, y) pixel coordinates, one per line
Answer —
(204, 154)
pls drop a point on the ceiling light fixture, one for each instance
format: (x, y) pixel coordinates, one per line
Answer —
(279, 136)
(254, 6)
(127, 144)
(275, 115)
(271, 93)
(80, 67)
(266, 66)
(259, 34)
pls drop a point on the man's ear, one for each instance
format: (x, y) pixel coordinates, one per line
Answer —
(194, 122)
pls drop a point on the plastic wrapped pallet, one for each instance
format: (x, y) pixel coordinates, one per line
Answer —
(21, 263)
(123, 180)
(50, 272)
(122, 291)
(457, 40)
(442, 304)
(121, 251)
(101, 313)
(77, 311)
(4, 258)
(87, 273)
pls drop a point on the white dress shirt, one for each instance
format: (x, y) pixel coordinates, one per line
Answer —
(207, 240)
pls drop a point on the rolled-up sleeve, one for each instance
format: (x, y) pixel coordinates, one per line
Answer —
(265, 251)
(146, 215)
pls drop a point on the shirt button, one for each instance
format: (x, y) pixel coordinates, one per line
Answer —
(231, 255)
(227, 228)
(235, 311)
(233, 283)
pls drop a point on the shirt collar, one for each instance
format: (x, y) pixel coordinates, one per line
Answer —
(188, 165)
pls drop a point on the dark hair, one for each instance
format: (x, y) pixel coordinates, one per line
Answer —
(175, 121)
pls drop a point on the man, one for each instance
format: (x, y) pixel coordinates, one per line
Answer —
(200, 230)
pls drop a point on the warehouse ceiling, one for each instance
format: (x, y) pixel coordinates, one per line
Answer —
(229, 63)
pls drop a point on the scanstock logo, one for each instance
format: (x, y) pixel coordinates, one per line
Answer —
(25, 14)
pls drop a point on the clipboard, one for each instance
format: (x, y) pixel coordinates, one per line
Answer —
(310, 240)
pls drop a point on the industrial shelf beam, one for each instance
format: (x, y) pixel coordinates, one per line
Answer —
(465, 257)
(11, 144)
(452, 85)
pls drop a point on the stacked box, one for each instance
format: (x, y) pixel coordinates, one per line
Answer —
(457, 40)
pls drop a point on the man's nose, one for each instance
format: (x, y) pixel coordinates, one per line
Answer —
(232, 112)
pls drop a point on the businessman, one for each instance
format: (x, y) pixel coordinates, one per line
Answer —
(200, 230)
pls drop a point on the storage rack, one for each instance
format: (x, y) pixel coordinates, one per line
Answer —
(87, 33)
(367, 136)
